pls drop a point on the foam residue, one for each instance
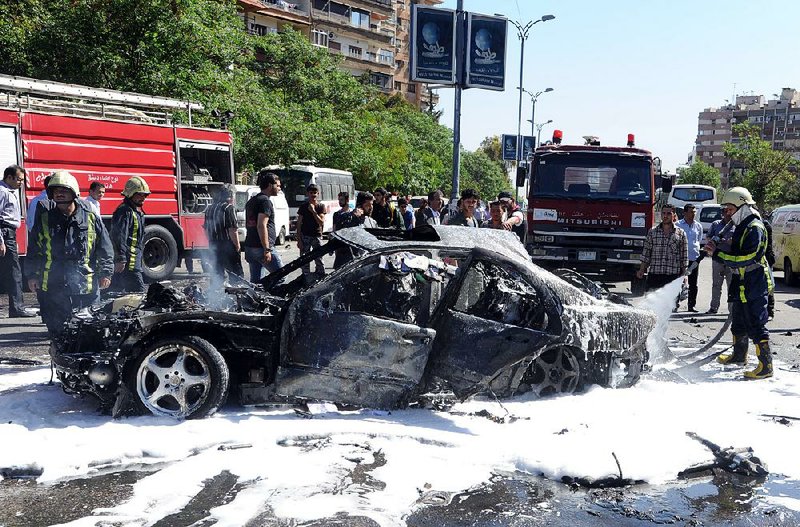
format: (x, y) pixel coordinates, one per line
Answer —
(661, 302)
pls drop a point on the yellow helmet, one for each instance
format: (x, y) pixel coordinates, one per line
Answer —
(737, 196)
(135, 185)
(62, 178)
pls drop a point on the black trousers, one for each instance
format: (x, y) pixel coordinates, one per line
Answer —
(225, 257)
(692, 300)
(127, 282)
(56, 307)
(10, 272)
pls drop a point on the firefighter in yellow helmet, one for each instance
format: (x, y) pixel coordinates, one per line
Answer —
(127, 235)
(70, 257)
(751, 282)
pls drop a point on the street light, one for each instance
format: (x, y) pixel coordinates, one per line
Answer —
(539, 131)
(534, 97)
(522, 34)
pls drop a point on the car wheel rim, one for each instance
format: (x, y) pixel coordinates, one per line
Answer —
(173, 380)
(155, 254)
(554, 371)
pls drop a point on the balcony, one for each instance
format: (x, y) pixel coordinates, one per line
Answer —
(279, 9)
(367, 61)
(371, 31)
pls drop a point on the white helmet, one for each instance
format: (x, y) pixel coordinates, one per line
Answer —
(737, 196)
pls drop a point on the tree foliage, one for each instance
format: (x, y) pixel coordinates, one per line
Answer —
(765, 172)
(289, 99)
(480, 172)
(700, 173)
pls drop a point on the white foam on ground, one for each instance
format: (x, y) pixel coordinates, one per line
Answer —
(301, 468)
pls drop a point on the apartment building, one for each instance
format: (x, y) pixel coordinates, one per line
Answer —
(372, 36)
(778, 120)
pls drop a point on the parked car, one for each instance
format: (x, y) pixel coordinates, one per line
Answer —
(437, 309)
(707, 214)
(244, 193)
(786, 242)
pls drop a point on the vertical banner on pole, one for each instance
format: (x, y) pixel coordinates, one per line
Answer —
(528, 146)
(433, 45)
(486, 52)
(509, 147)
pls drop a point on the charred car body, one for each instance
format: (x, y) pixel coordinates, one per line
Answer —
(436, 309)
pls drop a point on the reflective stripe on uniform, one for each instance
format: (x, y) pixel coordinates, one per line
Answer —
(134, 242)
(91, 234)
(44, 236)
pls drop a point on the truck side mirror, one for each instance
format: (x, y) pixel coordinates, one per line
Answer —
(522, 175)
(666, 184)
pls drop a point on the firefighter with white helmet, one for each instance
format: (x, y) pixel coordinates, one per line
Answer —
(70, 257)
(751, 282)
(127, 235)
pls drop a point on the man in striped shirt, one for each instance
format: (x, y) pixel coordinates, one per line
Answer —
(223, 238)
(666, 252)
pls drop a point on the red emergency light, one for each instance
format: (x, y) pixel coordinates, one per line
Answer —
(557, 136)
(630, 140)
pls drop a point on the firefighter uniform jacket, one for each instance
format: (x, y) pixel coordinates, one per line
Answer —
(747, 257)
(127, 235)
(69, 253)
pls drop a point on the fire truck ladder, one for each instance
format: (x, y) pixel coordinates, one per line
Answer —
(74, 99)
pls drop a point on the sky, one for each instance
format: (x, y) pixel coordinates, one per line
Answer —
(301, 467)
(646, 67)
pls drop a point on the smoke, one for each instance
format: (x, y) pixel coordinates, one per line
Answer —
(661, 302)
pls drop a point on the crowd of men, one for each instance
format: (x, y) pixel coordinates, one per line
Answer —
(740, 244)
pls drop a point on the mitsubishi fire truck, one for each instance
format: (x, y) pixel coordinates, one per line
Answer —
(590, 207)
(110, 136)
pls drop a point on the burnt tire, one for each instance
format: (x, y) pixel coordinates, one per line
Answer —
(790, 276)
(556, 371)
(179, 377)
(159, 253)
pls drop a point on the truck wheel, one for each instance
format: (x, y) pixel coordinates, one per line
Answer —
(638, 286)
(160, 253)
(790, 277)
(281, 237)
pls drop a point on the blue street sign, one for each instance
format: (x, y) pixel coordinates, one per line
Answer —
(509, 147)
(433, 38)
(486, 52)
(527, 147)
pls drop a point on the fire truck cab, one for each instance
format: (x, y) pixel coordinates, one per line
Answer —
(590, 207)
(109, 136)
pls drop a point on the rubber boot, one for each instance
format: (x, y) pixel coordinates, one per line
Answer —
(739, 353)
(764, 367)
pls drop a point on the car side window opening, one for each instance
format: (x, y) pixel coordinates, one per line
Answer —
(388, 287)
(492, 292)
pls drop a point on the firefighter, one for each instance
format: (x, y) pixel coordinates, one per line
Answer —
(751, 282)
(70, 257)
(127, 235)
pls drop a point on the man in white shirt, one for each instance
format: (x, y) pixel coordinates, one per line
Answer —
(30, 218)
(694, 233)
(96, 192)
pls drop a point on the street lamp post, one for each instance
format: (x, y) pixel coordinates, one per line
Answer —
(522, 33)
(539, 131)
(534, 97)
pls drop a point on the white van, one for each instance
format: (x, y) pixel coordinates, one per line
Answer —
(786, 242)
(682, 195)
(708, 213)
(243, 195)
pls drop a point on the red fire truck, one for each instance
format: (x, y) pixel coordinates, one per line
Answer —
(110, 136)
(590, 207)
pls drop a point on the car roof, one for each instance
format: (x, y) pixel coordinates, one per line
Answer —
(436, 236)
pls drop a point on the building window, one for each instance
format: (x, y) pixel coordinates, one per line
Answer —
(412, 88)
(261, 30)
(354, 51)
(370, 56)
(380, 80)
(398, 86)
(335, 46)
(319, 38)
(359, 18)
(386, 57)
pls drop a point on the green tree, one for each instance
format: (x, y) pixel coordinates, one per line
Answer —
(492, 147)
(766, 173)
(700, 173)
(480, 172)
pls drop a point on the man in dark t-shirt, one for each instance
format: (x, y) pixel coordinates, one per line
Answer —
(259, 244)
(310, 221)
(384, 213)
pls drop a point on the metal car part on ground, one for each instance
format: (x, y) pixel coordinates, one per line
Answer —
(438, 309)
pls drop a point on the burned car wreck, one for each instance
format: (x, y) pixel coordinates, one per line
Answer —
(445, 309)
